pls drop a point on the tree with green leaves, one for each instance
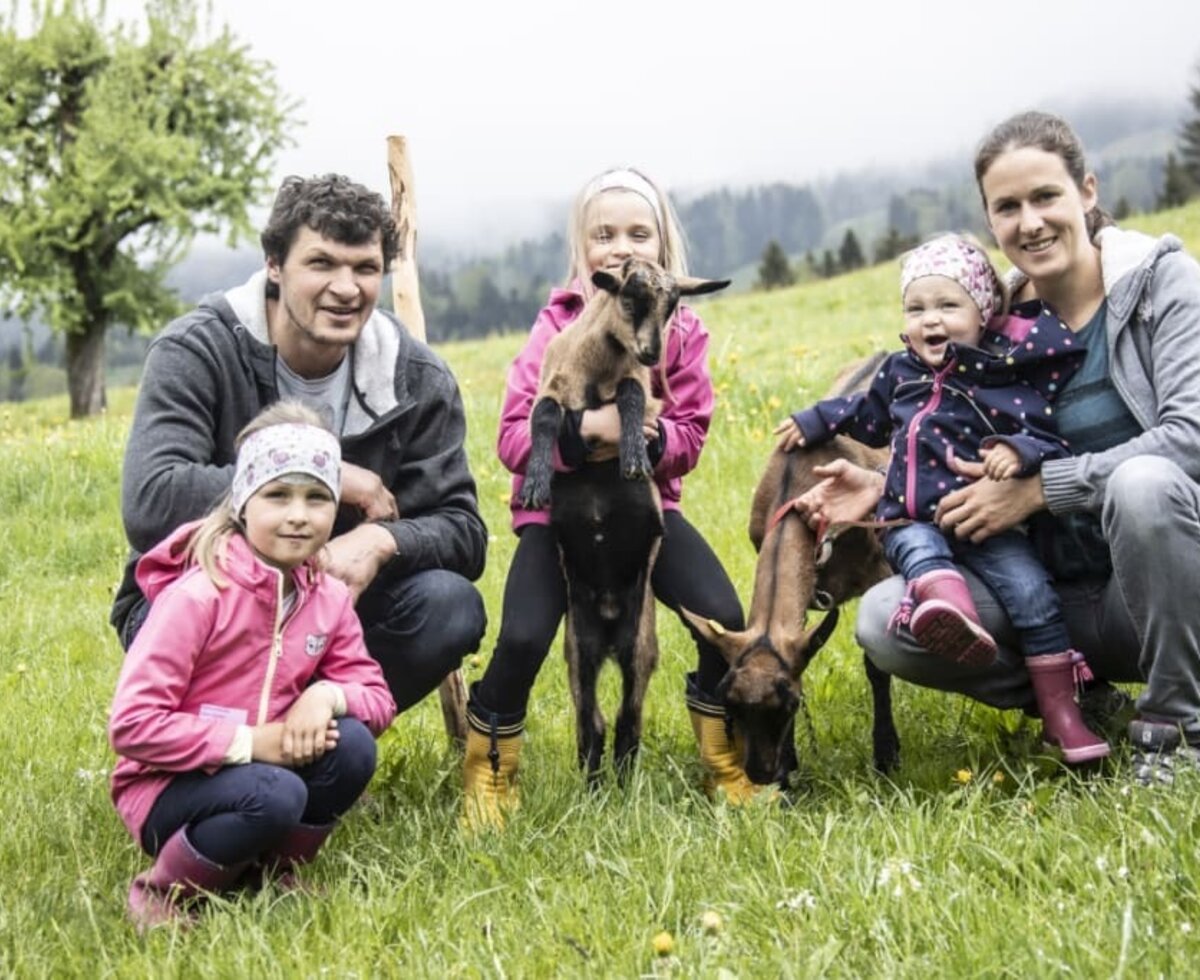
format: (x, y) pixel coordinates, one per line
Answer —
(774, 270)
(1189, 138)
(118, 144)
(850, 253)
(1177, 188)
(893, 245)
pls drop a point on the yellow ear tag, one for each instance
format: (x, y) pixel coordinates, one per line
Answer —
(716, 627)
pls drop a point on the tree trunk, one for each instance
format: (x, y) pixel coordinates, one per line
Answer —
(406, 293)
(406, 301)
(85, 370)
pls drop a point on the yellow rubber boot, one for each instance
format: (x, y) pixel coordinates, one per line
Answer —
(490, 780)
(724, 777)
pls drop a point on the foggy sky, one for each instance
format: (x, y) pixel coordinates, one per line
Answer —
(509, 107)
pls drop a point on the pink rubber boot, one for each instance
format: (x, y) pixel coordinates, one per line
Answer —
(1053, 678)
(298, 847)
(944, 619)
(180, 873)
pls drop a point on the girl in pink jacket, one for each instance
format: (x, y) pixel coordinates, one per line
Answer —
(617, 215)
(247, 706)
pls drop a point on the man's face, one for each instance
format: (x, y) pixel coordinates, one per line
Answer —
(327, 289)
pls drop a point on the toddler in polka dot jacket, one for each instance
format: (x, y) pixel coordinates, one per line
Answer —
(968, 398)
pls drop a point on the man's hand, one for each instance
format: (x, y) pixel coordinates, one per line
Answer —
(309, 728)
(1001, 462)
(356, 556)
(789, 434)
(846, 493)
(363, 489)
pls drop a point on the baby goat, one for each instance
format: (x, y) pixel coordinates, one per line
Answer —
(603, 356)
(607, 516)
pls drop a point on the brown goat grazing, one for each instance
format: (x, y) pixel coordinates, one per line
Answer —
(607, 516)
(603, 356)
(762, 688)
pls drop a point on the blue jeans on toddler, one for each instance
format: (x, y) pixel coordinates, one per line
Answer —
(240, 812)
(1008, 566)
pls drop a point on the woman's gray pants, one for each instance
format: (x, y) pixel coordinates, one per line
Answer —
(1142, 624)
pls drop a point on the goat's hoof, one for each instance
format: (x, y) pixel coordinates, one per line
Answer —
(636, 472)
(533, 500)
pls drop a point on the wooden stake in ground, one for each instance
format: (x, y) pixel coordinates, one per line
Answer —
(406, 300)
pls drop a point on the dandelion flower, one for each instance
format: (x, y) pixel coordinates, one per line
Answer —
(663, 943)
(801, 901)
(711, 922)
(899, 877)
(963, 776)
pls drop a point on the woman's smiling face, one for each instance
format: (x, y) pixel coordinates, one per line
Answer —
(1037, 212)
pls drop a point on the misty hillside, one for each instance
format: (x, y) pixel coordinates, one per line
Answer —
(882, 209)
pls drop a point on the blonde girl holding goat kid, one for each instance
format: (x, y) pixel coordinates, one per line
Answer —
(247, 706)
(971, 387)
(618, 215)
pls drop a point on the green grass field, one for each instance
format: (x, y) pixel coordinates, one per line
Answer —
(979, 857)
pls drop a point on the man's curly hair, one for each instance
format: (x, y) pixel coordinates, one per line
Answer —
(334, 207)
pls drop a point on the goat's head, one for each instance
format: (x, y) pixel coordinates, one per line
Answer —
(646, 296)
(761, 691)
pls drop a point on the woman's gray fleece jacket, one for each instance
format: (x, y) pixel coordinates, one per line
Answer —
(1153, 324)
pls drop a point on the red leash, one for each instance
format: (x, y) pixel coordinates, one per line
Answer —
(826, 532)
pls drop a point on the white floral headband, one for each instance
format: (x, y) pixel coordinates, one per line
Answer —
(956, 259)
(626, 180)
(286, 449)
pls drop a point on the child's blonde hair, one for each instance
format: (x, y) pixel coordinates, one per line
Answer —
(946, 244)
(207, 545)
(673, 257)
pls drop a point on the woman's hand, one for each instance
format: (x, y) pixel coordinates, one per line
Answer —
(600, 429)
(846, 493)
(987, 507)
(789, 434)
(309, 728)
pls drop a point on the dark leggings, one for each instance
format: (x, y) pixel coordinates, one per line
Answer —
(687, 573)
(239, 812)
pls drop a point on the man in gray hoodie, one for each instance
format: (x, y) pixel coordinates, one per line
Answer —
(409, 539)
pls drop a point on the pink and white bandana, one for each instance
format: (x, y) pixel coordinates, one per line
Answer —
(957, 259)
(286, 449)
(626, 179)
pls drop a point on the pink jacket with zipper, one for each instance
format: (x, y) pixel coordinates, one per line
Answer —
(207, 659)
(686, 412)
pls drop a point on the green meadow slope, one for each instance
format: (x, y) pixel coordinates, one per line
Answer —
(978, 857)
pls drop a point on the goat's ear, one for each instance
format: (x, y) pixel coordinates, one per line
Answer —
(794, 647)
(691, 286)
(606, 281)
(730, 644)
